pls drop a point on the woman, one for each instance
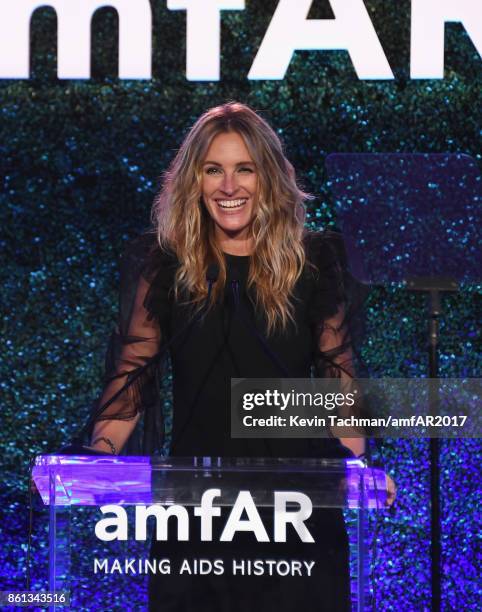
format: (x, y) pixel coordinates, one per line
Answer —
(231, 286)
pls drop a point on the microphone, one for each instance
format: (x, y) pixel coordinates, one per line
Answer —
(212, 274)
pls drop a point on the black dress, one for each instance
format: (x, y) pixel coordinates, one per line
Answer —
(204, 358)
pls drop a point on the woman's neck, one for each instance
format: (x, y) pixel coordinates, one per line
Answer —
(235, 246)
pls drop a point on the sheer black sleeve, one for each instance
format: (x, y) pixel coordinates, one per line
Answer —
(336, 307)
(134, 356)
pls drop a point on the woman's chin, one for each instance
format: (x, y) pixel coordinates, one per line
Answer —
(234, 228)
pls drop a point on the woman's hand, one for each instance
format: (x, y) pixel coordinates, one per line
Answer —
(391, 490)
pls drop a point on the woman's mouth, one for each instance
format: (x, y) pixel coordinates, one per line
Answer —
(231, 204)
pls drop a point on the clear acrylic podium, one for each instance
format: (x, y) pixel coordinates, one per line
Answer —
(67, 481)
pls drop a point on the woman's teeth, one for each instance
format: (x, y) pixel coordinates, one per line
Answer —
(231, 203)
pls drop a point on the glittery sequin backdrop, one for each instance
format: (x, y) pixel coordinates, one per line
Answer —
(80, 163)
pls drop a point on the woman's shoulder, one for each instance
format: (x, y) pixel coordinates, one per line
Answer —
(143, 255)
(324, 248)
(324, 272)
(144, 259)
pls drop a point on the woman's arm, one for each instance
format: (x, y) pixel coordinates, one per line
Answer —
(335, 341)
(335, 346)
(110, 436)
(139, 345)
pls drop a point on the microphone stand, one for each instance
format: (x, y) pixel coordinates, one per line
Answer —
(433, 286)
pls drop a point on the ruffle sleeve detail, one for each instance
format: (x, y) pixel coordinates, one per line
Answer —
(336, 306)
(135, 355)
(144, 258)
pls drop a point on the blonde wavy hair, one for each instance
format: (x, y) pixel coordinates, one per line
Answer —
(184, 225)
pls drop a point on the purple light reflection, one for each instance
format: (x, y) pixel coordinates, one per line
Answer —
(121, 480)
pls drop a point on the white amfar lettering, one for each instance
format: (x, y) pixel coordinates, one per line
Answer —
(203, 44)
(244, 502)
(74, 24)
(206, 511)
(162, 516)
(428, 33)
(296, 518)
(119, 521)
(290, 30)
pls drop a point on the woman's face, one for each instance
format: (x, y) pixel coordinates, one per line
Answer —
(229, 190)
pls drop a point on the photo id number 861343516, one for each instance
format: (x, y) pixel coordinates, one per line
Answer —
(37, 598)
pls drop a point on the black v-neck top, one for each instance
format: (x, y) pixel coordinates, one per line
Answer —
(224, 345)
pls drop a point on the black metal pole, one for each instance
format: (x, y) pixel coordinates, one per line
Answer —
(435, 556)
(433, 287)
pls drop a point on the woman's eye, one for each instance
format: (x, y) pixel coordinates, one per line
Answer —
(212, 170)
(246, 169)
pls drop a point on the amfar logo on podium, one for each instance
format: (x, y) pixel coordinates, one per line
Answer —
(116, 527)
(289, 30)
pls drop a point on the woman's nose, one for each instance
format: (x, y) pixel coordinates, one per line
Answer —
(229, 184)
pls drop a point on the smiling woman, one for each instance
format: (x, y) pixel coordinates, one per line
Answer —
(232, 154)
(277, 304)
(230, 192)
